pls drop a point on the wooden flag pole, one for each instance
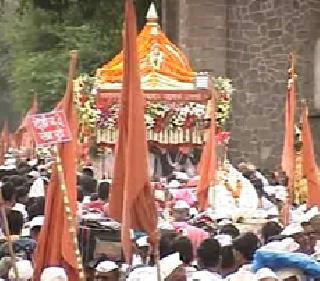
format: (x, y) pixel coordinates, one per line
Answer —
(293, 77)
(71, 220)
(290, 186)
(157, 256)
(104, 164)
(7, 233)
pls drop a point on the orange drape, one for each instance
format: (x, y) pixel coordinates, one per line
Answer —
(208, 162)
(131, 198)
(55, 246)
(309, 165)
(288, 152)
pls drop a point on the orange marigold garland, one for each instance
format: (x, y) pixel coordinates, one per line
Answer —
(174, 65)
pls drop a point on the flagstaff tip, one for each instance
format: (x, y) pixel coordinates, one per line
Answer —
(73, 52)
(152, 15)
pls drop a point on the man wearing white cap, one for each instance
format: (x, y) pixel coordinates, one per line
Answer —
(107, 271)
(181, 176)
(266, 274)
(35, 227)
(181, 213)
(143, 252)
(54, 274)
(181, 210)
(296, 231)
(171, 270)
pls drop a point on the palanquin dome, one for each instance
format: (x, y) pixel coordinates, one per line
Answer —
(177, 107)
(162, 64)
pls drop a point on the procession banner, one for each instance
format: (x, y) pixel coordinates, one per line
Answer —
(50, 128)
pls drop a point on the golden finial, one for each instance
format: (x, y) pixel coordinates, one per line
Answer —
(152, 15)
(292, 69)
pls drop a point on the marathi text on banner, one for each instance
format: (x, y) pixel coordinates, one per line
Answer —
(50, 128)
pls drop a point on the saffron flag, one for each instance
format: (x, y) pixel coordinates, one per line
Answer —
(131, 198)
(5, 136)
(23, 136)
(309, 165)
(208, 162)
(56, 241)
(4, 146)
(288, 152)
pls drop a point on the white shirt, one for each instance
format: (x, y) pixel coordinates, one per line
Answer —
(37, 188)
(262, 178)
(22, 209)
(244, 273)
(205, 275)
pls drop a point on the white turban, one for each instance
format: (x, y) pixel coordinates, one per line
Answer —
(54, 274)
(106, 266)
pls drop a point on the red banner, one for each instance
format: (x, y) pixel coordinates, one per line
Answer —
(50, 128)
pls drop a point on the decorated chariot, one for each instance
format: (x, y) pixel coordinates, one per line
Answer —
(177, 106)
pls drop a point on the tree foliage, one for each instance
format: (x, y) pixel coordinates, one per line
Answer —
(40, 33)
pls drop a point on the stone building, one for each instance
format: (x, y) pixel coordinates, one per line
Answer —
(249, 41)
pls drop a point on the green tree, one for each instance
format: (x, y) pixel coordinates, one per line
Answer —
(41, 34)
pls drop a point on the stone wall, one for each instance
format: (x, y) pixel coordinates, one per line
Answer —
(249, 41)
(260, 35)
(201, 31)
(170, 19)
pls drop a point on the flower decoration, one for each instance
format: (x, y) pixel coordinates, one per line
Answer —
(108, 117)
(225, 90)
(223, 137)
(84, 99)
(158, 116)
(204, 222)
(175, 116)
(223, 84)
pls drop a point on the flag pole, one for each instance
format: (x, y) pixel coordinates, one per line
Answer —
(7, 234)
(293, 77)
(67, 209)
(290, 186)
(157, 255)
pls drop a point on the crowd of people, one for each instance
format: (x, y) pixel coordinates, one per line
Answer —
(193, 246)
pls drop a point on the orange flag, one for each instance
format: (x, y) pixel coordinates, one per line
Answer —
(6, 136)
(56, 243)
(23, 136)
(4, 145)
(131, 198)
(208, 162)
(288, 152)
(309, 165)
(32, 110)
